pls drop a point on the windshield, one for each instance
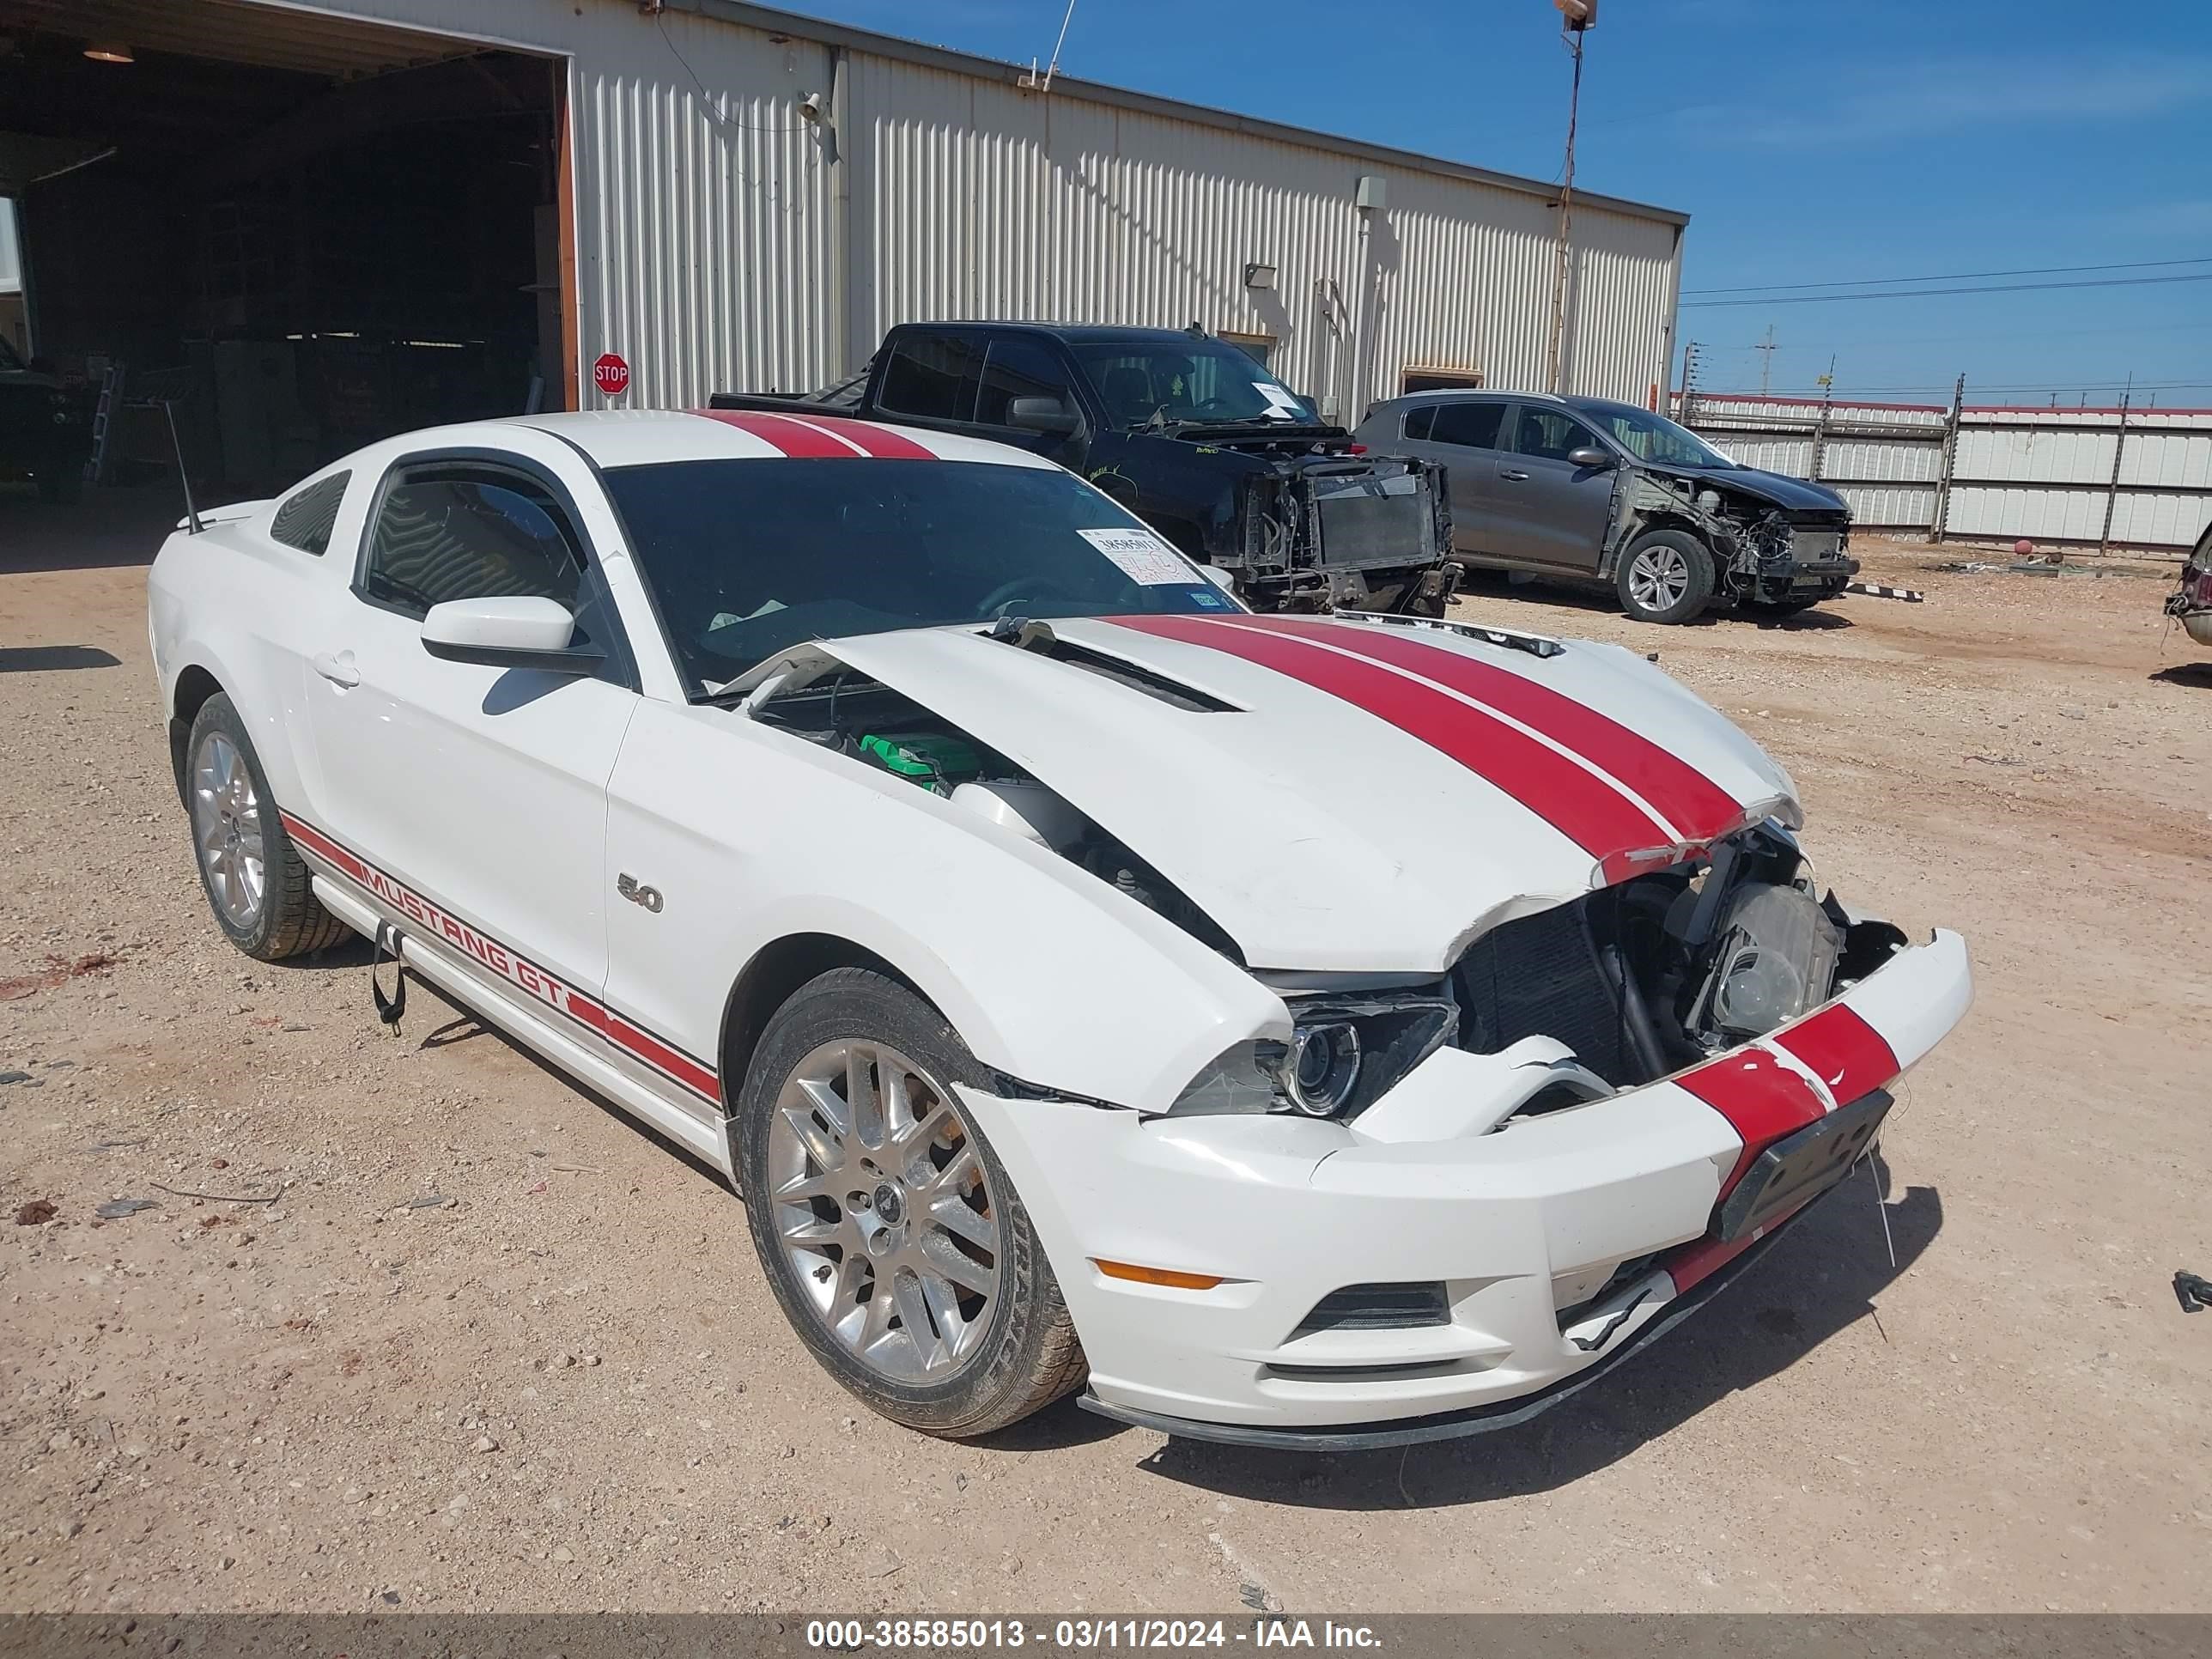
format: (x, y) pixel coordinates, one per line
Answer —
(745, 559)
(1194, 379)
(1651, 437)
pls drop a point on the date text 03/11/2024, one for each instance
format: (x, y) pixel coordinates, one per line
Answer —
(926, 1635)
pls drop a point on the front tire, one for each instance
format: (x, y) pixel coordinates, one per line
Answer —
(890, 1233)
(253, 877)
(1665, 576)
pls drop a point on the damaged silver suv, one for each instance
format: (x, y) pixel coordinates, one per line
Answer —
(1590, 490)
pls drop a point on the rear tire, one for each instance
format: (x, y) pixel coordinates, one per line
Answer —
(1665, 576)
(889, 1230)
(255, 883)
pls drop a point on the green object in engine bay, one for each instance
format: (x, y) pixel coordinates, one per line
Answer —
(925, 757)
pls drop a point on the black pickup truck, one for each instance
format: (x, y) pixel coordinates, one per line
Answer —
(1191, 433)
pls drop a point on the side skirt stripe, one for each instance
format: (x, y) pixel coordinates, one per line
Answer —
(672, 1062)
(1599, 819)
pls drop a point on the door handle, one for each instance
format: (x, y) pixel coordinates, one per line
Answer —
(1517, 477)
(338, 670)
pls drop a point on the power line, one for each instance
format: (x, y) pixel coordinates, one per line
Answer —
(1931, 292)
(1946, 276)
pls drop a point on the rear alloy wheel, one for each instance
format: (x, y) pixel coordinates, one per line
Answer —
(1666, 576)
(890, 1231)
(256, 884)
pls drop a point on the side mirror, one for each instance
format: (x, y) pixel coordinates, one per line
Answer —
(1590, 458)
(522, 631)
(1045, 414)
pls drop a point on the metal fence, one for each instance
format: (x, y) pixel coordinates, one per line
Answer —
(2108, 478)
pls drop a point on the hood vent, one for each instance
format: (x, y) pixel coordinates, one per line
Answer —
(1038, 637)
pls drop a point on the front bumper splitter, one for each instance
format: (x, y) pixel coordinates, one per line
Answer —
(1455, 1425)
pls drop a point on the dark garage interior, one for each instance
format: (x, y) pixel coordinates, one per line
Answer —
(298, 233)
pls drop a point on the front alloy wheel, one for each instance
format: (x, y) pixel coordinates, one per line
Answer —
(1665, 576)
(890, 1233)
(883, 1210)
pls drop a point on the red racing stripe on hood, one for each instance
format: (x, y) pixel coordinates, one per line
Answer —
(826, 437)
(1599, 819)
(1700, 808)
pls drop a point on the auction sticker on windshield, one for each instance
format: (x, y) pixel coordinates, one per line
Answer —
(1143, 557)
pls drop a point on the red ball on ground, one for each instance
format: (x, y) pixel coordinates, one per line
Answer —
(2023, 547)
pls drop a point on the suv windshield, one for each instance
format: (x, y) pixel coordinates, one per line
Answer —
(1196, 380)
(1651, 437)
(748, 558)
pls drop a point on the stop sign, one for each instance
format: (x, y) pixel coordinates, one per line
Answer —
(611, 374)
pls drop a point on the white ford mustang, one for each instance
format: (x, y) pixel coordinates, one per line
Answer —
(1330, 1032)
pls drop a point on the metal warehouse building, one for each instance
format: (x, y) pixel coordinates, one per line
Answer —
(316, 225)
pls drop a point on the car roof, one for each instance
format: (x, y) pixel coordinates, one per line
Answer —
(1478, 393)
(645, 437)
(1080, 333)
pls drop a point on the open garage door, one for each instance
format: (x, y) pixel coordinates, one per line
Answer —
(304, 232)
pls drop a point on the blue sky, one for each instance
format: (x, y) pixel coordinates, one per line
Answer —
(1810, 140)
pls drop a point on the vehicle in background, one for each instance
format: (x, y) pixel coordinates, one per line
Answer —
(1590, 490)
(1191, 433)
(2191, 604)
(46, 426)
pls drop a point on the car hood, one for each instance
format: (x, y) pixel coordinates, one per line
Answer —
(1344, 796)
(1777, 489)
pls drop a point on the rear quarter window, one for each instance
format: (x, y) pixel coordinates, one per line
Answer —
(305, 520)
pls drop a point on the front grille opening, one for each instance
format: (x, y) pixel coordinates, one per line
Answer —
(1411, 1371)
(1378, 1308)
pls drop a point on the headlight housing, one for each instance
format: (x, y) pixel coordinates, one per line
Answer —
(1345, 1052)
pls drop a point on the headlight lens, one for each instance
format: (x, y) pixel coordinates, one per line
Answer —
(1323, 1067)
(1345, 1052)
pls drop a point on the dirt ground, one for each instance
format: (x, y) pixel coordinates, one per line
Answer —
(566, 1385)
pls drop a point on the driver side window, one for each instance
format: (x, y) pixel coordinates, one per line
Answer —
(1549, 435)
(454, 530)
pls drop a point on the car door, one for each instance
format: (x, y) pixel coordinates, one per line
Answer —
(1461, 435)
(481, 790)
(1552, 513)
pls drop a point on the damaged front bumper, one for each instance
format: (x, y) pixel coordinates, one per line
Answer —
(1409, 1276)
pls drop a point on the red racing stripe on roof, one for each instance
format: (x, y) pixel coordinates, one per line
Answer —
(1700, 808)
(1600, 820)
(824, 437)
(794, 438)
(1840, 1047)
(880, 441)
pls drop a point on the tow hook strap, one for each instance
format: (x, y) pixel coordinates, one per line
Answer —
(388, 1008)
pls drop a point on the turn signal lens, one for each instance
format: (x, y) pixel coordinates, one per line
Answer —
(1167, 1276)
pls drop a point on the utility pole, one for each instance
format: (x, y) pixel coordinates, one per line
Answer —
(1575, 17)
(2119, 450)
(1689, 380)
(1765, 349)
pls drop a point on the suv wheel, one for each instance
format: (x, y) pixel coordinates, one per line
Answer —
(1665, 576)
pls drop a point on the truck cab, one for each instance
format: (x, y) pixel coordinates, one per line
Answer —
(1191, 433)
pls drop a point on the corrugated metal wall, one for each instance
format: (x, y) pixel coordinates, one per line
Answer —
(988, 201)
(2045, 474)
(719, 245)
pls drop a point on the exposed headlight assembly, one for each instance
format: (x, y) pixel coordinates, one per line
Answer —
(1345, 1052)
